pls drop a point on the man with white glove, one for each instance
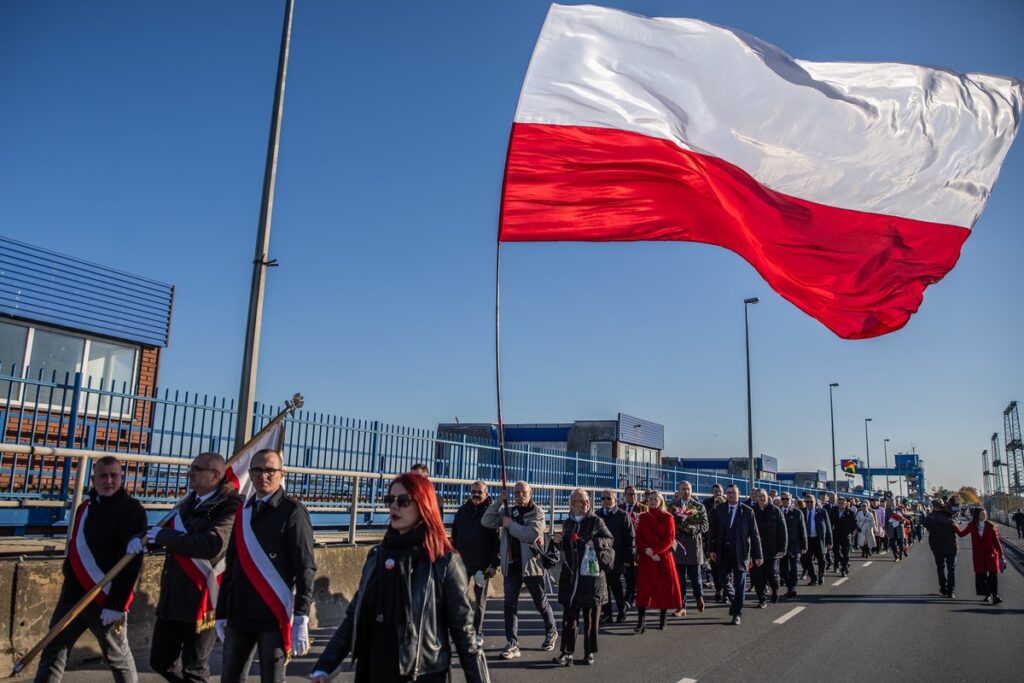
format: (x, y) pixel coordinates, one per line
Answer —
(104, 526)
(266, 600)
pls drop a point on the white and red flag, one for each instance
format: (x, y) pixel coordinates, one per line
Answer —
(238, 471)
(850, 187)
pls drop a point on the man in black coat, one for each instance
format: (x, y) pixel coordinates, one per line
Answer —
(819, 537)
(279, 539)
(624, 535)
(736, 542)
(942, 541)
(1018, 519)
(844, 524)
(710, 503)
(771, 527)
(196, 541)
(104, 524)
(478, 546)
(796, 543)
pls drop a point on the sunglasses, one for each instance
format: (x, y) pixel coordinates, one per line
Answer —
(259, 471)
(402, 500)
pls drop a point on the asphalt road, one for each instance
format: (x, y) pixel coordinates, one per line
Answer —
(885, 620)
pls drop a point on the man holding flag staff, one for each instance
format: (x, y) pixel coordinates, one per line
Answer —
(196, 539)
(104, 523)
(268, 580)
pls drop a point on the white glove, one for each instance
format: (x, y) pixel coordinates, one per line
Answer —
(109, 616)
(151, 534)
(135, 546)
(300, 635)
(318, 676)
(219, 626)
(479, 579)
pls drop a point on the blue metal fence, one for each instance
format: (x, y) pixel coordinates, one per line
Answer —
(74, 411)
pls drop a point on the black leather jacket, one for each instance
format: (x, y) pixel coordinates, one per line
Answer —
(440, 608)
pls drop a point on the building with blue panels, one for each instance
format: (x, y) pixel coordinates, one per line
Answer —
(767, 466)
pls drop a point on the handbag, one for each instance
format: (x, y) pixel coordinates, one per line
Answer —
(589, 565)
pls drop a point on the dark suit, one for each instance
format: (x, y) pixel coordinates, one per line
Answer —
(771, 526)
(796, 546)
(621, 528)
(819, 537)
(178, 652)
(283, 530)
(844, 524)
(735, 543)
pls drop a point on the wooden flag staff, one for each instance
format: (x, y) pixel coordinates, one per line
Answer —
(289, 409)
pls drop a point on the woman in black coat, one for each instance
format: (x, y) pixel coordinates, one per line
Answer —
(412, 605)
(582, 596)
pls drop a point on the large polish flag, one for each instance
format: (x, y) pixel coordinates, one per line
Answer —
(850, 187)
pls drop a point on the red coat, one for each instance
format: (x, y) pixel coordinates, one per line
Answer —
(657, 585)
(986, 548)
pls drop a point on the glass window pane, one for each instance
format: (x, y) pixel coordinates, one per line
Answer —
(54, 352)
(111, 368)
(12, 356)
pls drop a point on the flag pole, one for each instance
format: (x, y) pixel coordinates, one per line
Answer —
(289, 409)
(497, 363)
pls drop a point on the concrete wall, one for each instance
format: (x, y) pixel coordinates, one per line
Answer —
(29, 589)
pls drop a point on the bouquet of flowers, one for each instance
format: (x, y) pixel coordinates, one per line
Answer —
(689, 516)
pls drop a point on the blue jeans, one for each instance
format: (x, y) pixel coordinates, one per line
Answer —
(945, 564)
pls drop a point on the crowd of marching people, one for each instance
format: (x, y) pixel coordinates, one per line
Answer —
(242, 571)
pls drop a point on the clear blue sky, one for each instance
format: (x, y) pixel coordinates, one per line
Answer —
(135, 132)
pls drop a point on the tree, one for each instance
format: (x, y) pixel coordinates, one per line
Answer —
(969, 496)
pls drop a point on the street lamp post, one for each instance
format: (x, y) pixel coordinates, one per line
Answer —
(867, 451)
(750, 420)
(885, 447)
(832, 418)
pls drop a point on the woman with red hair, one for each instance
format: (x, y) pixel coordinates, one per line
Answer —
(412, 604)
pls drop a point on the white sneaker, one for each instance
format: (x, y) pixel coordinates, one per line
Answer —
(511, 651)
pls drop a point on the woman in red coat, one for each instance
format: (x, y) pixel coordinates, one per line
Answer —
(987, 553)
(657, 586)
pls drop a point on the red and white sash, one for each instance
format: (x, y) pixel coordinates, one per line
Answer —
(206, 577)
(263, 575)
(83, 564)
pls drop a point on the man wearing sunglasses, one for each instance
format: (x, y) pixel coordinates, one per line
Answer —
(478, 547)
(196, 540)
(268, 582)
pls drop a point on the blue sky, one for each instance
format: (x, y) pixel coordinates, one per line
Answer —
(135, 133)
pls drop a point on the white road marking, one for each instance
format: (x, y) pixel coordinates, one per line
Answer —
(867, 564)
(789, 615)
(841, 581)
(687, 680)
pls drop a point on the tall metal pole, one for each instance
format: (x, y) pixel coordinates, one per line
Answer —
(832, 419)
(260, 263)
(867, 452)
(885, 447)
(750, 419)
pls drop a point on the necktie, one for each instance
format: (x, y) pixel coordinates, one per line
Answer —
(732, 515)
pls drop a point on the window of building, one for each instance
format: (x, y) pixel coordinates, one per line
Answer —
(601, 449)
(49, 359)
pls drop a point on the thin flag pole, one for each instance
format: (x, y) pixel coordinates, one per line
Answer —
(497, 362)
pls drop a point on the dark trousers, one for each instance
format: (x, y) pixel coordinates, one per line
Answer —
(881, 544)
(787, 570)
(691, 572)
(716, 577)
(767, 575)
(629, 571)
(514, 582)
(733, 576)
(615, 588)
(239, 645)
(945, 565)
(814, 552)
(571, 617)
(113, 642)
(1020, 529)
(480, 595)
(897, 545)
(178, 653)
(841, 553)
(986, 583)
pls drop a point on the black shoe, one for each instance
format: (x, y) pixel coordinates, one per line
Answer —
(606, 619)
(662, 620)
(621, 618)
(564, 659)
(996, 599)
(718, 596)
(775, 597)
(813, 582)
(761, 604)
(821, 580)
(589, 659)
(736, 620)
(951, 595)
(790, 595)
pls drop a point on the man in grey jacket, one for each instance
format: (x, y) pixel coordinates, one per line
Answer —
(522, 527)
